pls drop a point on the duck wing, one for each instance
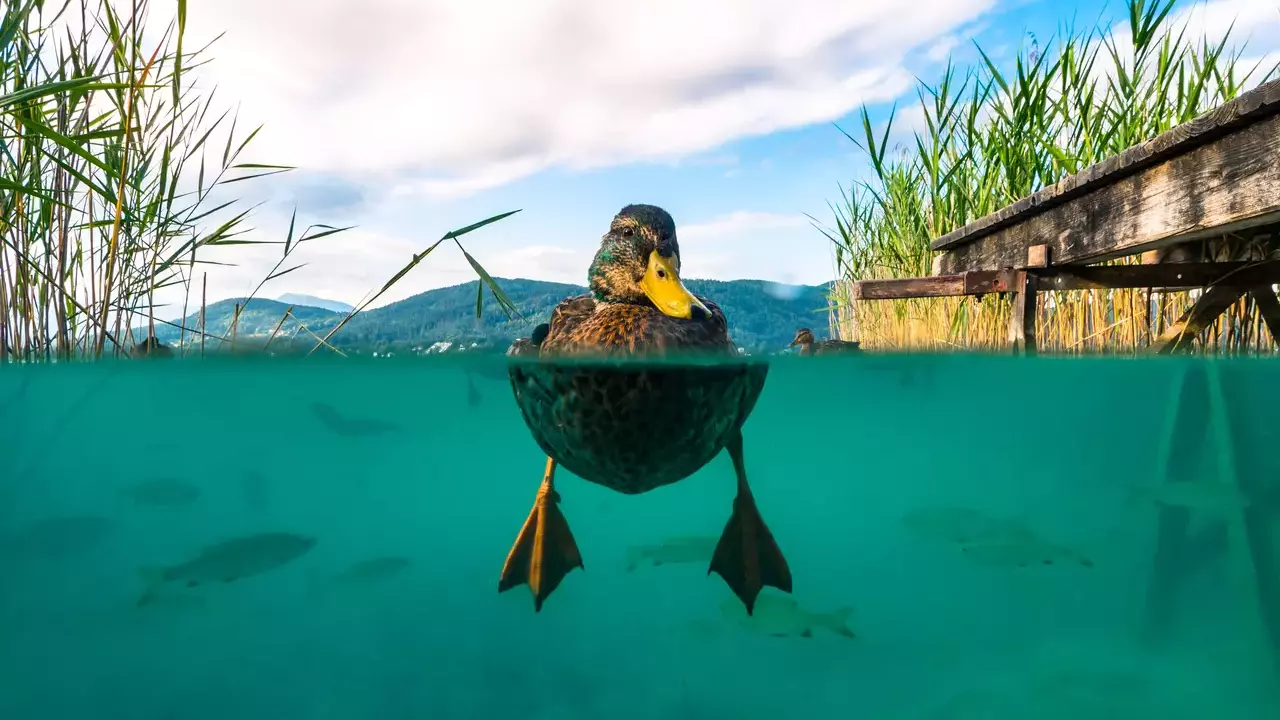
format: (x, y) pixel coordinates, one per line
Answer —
(717, 325)
(581, 326)
(567, 316)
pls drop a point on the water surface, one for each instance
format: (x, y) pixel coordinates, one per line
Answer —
(427, 464)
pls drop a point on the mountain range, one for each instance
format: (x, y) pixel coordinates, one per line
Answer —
(313, 301)
(763, 317)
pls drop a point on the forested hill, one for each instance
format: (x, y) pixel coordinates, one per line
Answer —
(762, 316)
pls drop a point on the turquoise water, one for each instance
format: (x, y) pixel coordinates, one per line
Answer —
(923, 494)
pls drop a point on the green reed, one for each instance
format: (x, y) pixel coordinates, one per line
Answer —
(117, 177)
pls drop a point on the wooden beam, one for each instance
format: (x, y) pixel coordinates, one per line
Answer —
(1257, 104)
(1225, 186)
(971, 283)
(898, 288)
(1199, 316)
(1269, 308)
(1022, 318)
(1168, 276)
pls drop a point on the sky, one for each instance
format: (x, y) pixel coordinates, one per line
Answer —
(410, 118)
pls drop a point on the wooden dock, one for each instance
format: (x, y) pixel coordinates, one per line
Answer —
(1200, 205)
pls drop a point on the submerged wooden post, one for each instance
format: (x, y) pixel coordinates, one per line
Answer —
(1022, 318)
(1178, 459)
(1247, 459)
(1238, 438)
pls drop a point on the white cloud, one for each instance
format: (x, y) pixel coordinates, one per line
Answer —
(495, 175)
(941, 50)
(544, 262)
(1257, 21)
(465, 96)
(1253, 25)
(737, 223)
(758, 245)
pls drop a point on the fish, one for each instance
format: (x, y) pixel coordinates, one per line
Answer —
(59, 537)
(1028, 552)
(228, 561)
(1214, 498)
(362, 574)
(779, 616)
(959, 525)
(989, 540)
(161, 492)
(672, 551)
(339, 424)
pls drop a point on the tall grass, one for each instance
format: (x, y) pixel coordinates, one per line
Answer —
(991, 137)
(117, 177)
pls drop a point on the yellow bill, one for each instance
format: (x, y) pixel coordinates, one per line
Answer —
(662, 284)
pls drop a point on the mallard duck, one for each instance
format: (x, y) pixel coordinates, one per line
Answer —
(530, 346)
(634, 427)
(151, 347)
(804, 338)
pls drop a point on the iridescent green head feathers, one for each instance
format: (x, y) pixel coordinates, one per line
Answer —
(639, 263)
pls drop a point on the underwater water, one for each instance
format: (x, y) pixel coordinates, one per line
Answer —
(970, 537)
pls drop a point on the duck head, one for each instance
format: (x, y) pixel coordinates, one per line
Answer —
(151, 347)
(804, 338)
(639, 263)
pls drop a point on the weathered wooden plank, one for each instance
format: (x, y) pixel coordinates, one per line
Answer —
(900, 288)
(1225, 186)
(969, 283)
(1255, 105)
(1168, 276)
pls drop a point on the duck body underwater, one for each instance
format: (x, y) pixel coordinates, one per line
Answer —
(604, 394)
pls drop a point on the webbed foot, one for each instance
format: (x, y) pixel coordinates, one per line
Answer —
(747, 556)
(545, 550)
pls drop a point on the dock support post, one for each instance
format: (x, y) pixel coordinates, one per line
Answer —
(1022, 317)
(1246, 459)
(1178, 459)
(1205, 435)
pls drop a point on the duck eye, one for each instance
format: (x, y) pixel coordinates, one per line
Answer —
(628, 232)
